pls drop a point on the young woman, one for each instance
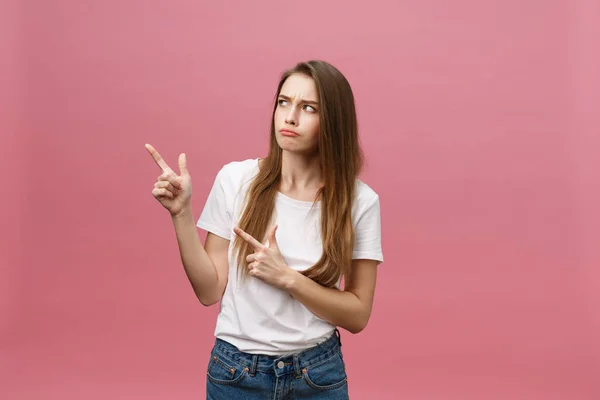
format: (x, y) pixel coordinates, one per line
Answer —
(282, 233)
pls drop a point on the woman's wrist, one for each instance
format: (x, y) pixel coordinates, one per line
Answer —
(290, 280)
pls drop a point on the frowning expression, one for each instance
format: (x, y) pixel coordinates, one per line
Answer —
(296, 117)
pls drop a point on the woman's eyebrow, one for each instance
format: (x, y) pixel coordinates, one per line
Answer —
(283, 96)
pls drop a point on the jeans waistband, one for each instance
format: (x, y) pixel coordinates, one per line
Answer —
(281, 364)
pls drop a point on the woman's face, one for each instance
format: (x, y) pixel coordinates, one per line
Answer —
(297, 115)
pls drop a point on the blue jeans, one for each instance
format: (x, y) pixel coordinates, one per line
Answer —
(315, 373)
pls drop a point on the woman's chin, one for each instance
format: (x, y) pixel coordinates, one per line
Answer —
(293, 146)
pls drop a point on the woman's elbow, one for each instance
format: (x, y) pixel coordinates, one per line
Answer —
(358, 325)
(208, 301)
(209, 298)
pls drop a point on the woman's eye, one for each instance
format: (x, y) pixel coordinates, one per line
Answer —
(282, 102)
(310, 108)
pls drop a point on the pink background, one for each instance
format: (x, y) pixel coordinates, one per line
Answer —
(480, 123)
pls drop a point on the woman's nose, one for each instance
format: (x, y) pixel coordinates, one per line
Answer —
(291, 117)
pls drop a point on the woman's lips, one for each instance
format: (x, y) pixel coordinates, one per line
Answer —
(286, 132)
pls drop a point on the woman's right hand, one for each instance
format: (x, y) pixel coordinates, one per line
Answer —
(173, 191)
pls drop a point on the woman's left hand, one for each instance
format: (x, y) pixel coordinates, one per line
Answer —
(267, 263)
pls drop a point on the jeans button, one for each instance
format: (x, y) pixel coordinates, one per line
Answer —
(280, 364)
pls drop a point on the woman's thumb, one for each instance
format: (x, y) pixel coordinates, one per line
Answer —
(272, 237)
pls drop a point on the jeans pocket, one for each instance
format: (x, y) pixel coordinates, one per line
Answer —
(225, 372)
(327, 375)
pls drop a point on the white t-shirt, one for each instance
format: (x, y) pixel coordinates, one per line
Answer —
(255, 316)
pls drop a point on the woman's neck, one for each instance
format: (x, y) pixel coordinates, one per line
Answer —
(300, 173)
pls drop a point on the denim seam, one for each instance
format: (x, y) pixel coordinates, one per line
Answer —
(225, 359)
(222, 364)
(224, 382)
(328, 357)
(310, 383)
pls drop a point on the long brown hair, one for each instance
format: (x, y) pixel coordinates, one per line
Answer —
(341, 160)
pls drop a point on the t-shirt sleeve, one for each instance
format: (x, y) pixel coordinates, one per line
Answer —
(216, 216)
(368, 233)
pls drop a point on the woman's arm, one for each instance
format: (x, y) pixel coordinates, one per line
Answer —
(206, 270)
(206, 267)
(350, 308)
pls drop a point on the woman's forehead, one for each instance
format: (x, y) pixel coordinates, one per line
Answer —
(300, 87)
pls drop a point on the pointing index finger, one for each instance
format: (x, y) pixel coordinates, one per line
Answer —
(248, 238)
(157, 157)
